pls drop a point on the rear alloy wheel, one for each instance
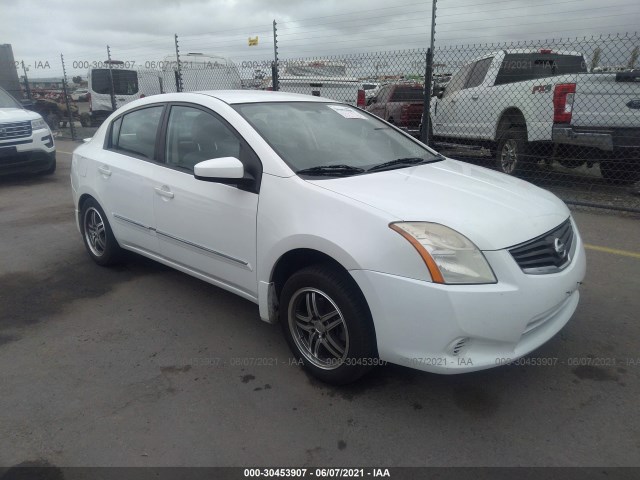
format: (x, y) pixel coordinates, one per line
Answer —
(511, 155)
(327, 324)
(97, 235)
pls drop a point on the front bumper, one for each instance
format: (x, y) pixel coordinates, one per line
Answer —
(463, 328)
(606, 139)
(32, 154)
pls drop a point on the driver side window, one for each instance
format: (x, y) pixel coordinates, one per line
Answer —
(194, 135)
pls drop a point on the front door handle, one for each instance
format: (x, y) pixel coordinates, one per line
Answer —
(164, 191)
(104, 170)
(475, 97)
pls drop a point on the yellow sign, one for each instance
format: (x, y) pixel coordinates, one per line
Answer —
(253, 41)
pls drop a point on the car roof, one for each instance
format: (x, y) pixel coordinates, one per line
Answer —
(259, 96)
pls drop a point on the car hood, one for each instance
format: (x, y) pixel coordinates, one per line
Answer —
(17, 115)
(493, 210)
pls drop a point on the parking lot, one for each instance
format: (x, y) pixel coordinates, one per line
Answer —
(141, 365)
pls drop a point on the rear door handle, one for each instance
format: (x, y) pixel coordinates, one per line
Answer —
(104, 170)
(164, 191)
(475, 97)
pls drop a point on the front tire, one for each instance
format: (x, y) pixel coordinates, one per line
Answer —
(52, 167)
(511, 155)
(97, 235)
(327, 324)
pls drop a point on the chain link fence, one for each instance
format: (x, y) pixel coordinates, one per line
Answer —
(563, 114)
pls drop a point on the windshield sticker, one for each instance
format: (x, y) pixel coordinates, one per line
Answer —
(346, 112)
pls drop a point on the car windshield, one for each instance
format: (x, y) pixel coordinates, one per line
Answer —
(7, 101)
(308, 135)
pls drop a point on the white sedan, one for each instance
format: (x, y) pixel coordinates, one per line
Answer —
(363, 243)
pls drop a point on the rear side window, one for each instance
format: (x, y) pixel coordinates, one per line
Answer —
(479, 72)
(407, 94)
(135, 133)
(458, 80)
(530, 66)
(125, 82)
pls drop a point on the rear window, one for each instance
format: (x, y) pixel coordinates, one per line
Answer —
(125, 82)
(408, 94)
(519, 67)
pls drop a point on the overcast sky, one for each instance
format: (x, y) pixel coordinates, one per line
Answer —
(142, 31)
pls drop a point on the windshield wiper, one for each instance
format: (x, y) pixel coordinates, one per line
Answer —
(331, 170)
(401, 162)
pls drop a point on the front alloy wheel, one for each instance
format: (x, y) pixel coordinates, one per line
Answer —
(318, 328)
(327, 324)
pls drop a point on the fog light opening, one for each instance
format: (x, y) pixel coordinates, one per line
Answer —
(458, 346)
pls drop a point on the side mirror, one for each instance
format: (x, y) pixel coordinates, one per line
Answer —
(227, 170)
(439, 92)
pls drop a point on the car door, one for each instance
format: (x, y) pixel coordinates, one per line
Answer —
(124, 173)
(208, 228)
(472, 118)
(445, 122)
(379, 106)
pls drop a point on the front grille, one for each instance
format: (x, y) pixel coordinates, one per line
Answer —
(548, 253)
(9, 131)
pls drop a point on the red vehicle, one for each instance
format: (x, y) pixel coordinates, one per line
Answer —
(401, 104)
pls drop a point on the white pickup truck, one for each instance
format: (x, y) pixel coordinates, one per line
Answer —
(527, 105)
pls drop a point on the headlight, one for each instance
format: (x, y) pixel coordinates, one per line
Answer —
(450, 256)
(38, 124)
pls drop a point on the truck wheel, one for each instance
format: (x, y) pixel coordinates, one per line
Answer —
(327, 324)
(620, 171)
(85, 119)
(511, 155)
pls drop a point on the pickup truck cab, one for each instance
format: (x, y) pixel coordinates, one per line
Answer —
(401, 104)
(524, 105)
(26, 143)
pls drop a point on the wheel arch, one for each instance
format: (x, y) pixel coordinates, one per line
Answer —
(298, 258)
(510, 117)
(81, 201)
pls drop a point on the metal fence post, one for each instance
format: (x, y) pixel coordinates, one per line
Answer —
(428, 82)
(178, 71)
(274, 66)
(66, 99)
(26, 81)
(111, 87)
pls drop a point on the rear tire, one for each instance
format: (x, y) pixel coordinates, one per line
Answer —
(97, 235)
(327, 324)
(620, 171)
(512, 152)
